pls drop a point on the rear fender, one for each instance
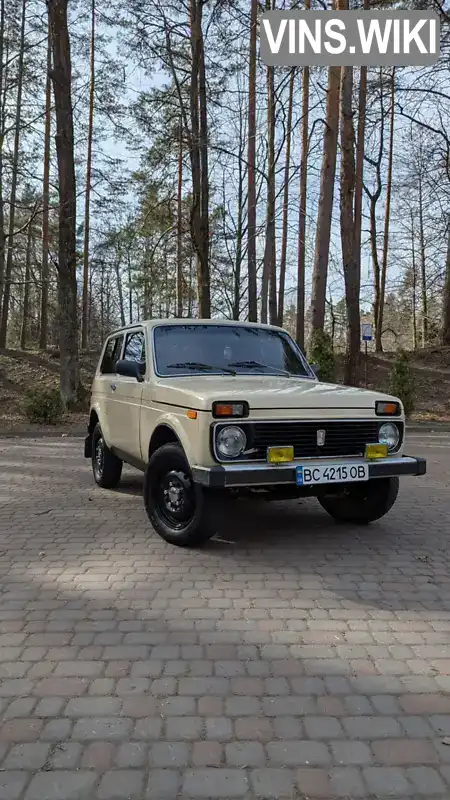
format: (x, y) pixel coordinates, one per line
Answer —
(103, 421)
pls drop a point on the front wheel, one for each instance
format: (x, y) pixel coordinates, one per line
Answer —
(362, 502)
(177, 507)
(107, 468)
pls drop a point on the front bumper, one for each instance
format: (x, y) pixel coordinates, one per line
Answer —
(234, 475)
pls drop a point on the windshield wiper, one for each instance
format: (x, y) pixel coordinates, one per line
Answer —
(200, 366)
(257, 365)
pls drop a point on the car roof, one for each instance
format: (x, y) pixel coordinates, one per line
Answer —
(153, 323)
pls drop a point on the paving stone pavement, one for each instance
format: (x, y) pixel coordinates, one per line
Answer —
(290, 658)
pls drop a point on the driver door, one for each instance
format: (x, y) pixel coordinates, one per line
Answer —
(127, 398)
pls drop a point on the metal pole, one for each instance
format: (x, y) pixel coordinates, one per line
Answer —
(365, 343)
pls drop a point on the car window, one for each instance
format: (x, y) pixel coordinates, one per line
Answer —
(111, 355)
(135, 347)
(221, 349)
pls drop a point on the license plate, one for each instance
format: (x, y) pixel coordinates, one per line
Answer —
(331, 473)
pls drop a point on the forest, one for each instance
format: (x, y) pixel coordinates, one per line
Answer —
(152, 166)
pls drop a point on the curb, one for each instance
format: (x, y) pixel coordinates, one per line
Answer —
(80, 432)
(37, 434)
(429, 427)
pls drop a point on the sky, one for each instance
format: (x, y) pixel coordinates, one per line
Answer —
(137, 81)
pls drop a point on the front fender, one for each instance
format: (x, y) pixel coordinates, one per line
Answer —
(186, 430)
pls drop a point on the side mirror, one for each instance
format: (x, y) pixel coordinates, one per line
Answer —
(316, 369)
(129, 369)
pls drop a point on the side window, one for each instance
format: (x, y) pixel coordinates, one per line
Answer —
(111, 355)
(135, 348)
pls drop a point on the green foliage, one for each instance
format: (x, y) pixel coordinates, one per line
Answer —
(43, 405)
(402, 382)
(321, 354)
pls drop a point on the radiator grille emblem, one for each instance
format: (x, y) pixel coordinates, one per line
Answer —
(320, 438)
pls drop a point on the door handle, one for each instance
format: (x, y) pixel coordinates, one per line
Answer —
(113, 387)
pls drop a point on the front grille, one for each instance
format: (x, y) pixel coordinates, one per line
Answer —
(341, 438)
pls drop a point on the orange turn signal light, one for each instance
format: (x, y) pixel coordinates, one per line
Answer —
(387, 409)
(224, 409)
(191, 414)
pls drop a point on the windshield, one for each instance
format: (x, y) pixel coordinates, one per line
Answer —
(226, 349)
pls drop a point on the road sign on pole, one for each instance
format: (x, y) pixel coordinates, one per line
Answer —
(366, 332)
(366, 336)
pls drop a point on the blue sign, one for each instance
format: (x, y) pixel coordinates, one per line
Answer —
(366, 331)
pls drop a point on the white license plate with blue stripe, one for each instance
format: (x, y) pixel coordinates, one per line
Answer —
(348, 472)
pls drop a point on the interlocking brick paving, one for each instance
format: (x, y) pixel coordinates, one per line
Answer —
(290, 658)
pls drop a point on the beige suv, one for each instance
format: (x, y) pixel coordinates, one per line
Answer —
(210, 407)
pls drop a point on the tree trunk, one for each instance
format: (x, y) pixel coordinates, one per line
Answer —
(333, 321)
(43, 331)
(387, 216)
(199, 160)
(351, 271)
(355, 345)
(2, 128)
(414, 284)
(119, 292)
(206, 288)
(91, 298)
(375, 260)
(191, 269)
(269, 278)
(12, 205)
(180, 226)
(446, 321)
(347, 198)
(67, 282)
(240, 209)
(26, 291)
(326, 196)
(359, 168)
(108, 301)
(373, 200)
(423, 266)
(87, 205)
(251, 201)
(300, 319)
(130, 288)
(166, 280)
(287, 172)
(102, 301)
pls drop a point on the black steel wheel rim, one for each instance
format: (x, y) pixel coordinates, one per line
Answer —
(99, 456)
(174, 499)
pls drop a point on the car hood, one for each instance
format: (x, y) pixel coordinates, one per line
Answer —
(262, 392)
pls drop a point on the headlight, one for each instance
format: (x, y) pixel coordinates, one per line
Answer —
(231, 441)
(389, 434)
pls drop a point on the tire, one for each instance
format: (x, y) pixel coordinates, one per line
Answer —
(364, 502)
(182, 518)
(107, 468)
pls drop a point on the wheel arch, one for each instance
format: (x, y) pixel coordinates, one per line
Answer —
(163, 434)
(170, 428)
(96, 417)
(93, 420)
